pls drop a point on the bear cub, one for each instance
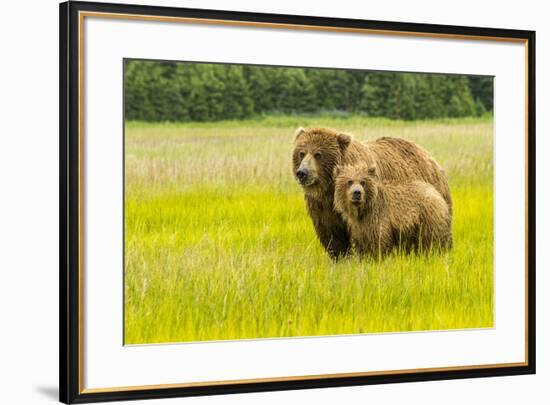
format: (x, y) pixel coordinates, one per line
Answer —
(381, 216)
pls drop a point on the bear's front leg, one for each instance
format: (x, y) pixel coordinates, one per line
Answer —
(335, 239)
(329, 227)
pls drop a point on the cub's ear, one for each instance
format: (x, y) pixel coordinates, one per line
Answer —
(299, 132)
(336, 171)
(373, 171)
(344, 140)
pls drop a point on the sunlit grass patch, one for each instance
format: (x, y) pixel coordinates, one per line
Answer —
(219, 245)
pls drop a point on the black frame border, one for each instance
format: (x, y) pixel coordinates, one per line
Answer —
(69, 182)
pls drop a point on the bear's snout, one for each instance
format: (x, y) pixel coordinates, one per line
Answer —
(356, 194)
(302, 174)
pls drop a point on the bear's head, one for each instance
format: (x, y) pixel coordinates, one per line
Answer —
(356, 187)
(317, 151)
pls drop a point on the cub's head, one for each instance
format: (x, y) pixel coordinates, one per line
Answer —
(355, 188)
(317, 151)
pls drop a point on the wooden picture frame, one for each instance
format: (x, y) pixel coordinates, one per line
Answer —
(73, 188)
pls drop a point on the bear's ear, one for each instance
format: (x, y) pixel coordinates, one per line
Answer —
(299, 132)
(373, 171)
(344, 140)
(336, 171)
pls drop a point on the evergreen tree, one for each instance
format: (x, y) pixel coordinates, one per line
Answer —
(482, 90)
(437, 101)
(400, 102)
(237, 102)
(298, 94)
(375, 94)
(136, 97)
(320, 80)
(173, 91)
(259, 88)
(425, 100)
(461, 103)
(480, 108)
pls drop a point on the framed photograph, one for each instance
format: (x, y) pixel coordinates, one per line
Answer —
(256, 202)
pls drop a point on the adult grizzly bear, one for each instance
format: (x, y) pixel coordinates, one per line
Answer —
(317, 151)
(381, 215)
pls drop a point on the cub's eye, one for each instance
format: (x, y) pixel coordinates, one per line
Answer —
(350, 183)
(302, 154)
(363, 183)
(317, 155)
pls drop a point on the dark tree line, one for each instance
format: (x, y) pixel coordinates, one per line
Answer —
(173, 91)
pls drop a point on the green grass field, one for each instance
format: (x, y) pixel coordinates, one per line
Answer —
(219, 245)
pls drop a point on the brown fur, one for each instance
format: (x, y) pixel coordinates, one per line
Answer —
(382, 215)
(397, 160)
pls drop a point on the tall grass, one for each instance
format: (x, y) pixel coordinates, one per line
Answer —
(219, 245)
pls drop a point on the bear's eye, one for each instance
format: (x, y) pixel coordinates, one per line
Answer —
(350, 183)
(363, 183)
(317, 155)
(302, 154)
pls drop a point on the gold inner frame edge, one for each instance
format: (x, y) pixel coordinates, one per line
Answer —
(81, 41)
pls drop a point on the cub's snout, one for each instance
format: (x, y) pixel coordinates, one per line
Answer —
(356, 192)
